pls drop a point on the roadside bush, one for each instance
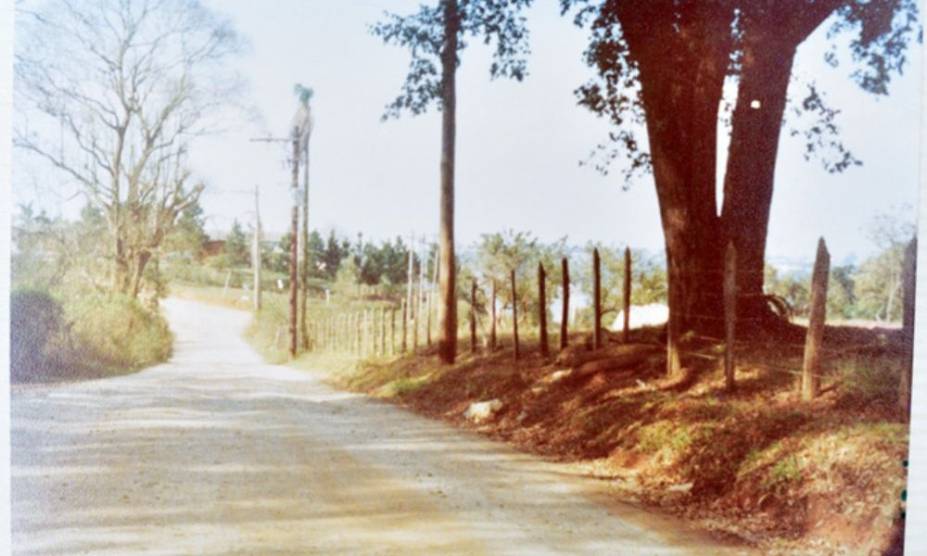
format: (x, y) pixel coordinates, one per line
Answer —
(36, 318)
(117, 332)
(86, 336)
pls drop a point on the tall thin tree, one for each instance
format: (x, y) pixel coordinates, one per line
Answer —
(433, 34)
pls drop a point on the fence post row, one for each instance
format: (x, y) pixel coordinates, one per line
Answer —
(811, 366)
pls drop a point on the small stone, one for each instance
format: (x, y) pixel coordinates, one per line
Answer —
(481, 411)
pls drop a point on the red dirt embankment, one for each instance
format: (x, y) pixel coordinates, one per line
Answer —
(788, 476)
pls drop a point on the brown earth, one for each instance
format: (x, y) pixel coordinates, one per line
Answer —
(758, 464)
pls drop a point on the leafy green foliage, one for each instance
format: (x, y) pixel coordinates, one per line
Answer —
(236, 249)
(648, 276)
(189, 234)
(497, 22)
(880, 31)
(497, 254)
(871, 291)
(64, 324)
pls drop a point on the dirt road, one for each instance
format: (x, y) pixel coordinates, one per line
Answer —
(216, 452)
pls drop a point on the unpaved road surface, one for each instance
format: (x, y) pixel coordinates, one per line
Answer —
(216, 452)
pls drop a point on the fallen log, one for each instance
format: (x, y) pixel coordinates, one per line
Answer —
(616, 362)
(575, 356)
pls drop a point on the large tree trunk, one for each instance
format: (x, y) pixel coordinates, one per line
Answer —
(681, 75)
(771, 37)
(447, 348)
(751, 165)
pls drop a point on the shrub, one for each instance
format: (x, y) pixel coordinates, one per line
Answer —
(36, 319)
(872, 376)
(116, 331)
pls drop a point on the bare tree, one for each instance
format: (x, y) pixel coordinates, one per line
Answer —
(112, 93)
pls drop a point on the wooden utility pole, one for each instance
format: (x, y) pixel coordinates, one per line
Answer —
(542, 309)
(294, 251)
(811, 367)
(256, 251)
(515, 314)
(565, 315)
(626, 333)
(304, 269)
(730, 313)
(597, 298)
(473, 316)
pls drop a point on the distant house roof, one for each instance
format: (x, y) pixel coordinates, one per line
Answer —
(213, 247)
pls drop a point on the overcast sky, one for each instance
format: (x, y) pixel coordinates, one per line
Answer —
(518, 144)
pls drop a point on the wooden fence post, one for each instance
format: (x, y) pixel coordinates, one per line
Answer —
(345, 343)
(392, 330)
(626, 332)
(908, 284)
(416, 313)
(542, 309)
(348, 335)
(730, 313)
(514, 314)
(811, 367)
(565, 315)
(358, 336)
(492, 324)
(597, 298)
(371, 330)
(473, 316)
(382, 330)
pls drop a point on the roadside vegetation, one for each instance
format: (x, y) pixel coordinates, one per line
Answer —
(65, 324)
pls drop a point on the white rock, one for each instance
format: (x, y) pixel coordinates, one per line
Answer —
(684, 487)
(643, 315)
(481, 411)
(559, 375)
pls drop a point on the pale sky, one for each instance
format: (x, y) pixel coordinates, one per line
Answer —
(518, 144)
